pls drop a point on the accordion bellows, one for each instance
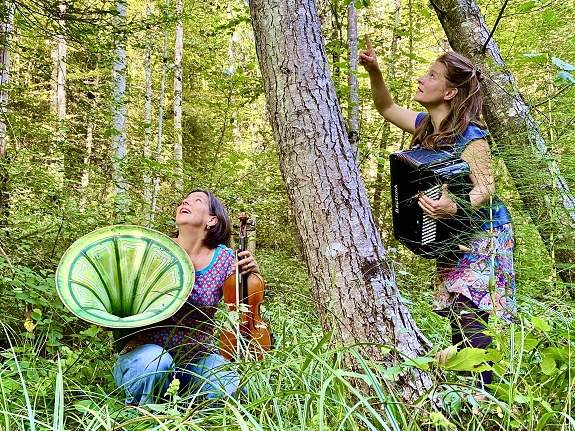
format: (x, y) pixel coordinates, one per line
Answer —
(422, 171)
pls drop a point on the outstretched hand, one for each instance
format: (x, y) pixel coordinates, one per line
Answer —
(441, 208)
(367, 57)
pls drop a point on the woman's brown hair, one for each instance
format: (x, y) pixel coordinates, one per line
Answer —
(465, 106)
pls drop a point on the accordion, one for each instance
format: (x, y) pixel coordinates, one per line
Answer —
(422, 171)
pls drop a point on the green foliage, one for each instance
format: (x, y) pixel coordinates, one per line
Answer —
(55, 371)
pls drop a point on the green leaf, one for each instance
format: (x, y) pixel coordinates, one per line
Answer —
(527, 6)
(419, 362)
(537, 57)
(494, 355)
(530, 342)
(539, 324)
(521, 399)
(468, 359)
(562, 64)
(559, 354)
(563, 78)
(548, 365)
(92, 331)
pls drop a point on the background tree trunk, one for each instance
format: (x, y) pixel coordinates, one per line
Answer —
(148, 109)
(58, 54)
(119, 103)
(64, 155)
(178, 52)
(381, 184)
(160, 119)
(544, 191)
(5, 39)
(352, 282)
(353, 108)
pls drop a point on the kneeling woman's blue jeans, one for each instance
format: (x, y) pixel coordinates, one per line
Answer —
(147, 371)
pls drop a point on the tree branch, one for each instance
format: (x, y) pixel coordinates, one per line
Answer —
(494, 27)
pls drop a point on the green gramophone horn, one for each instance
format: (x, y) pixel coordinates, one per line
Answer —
(124, 277)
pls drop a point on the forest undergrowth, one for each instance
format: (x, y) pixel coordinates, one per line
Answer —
(56, 371)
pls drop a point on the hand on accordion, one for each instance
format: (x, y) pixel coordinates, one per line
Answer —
(441, 208)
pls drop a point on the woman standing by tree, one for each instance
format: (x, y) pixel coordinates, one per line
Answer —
(465, 289)
(181, 346)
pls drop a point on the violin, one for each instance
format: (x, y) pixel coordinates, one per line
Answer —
(244, 293)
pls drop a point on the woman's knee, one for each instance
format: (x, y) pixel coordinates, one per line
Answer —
(211, 376)
(145, 359)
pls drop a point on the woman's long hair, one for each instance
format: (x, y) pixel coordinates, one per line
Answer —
(465, 106)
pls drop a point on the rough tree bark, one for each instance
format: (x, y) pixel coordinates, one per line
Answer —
(543, 190)
(353, 284)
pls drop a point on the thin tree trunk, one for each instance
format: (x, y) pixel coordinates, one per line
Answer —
(119, 104)
(160, 118)
(5, 40)
(353, 107)
(178, 52)
(352, 281)
(381, 165)
(61, 67)
(148, 108)
(232, 68)
(544, 191)
(58, 95)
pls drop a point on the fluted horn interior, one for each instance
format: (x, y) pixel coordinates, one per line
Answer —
(124, 277)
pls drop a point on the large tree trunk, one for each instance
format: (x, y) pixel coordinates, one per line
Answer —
(352, 282)
(542, 188)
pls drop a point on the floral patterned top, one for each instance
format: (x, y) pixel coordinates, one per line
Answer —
(189, 331)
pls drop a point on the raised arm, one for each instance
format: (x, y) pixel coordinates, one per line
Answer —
(402, 117)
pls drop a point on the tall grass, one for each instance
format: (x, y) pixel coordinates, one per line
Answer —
(304, 382)
(305, 386)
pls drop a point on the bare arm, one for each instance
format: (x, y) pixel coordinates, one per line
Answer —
(402, 117)
(478, 157)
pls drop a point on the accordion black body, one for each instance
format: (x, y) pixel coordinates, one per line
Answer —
(422, 171)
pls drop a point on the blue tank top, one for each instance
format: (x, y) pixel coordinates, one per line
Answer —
(490, 216)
